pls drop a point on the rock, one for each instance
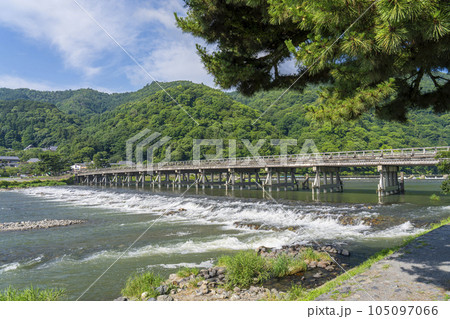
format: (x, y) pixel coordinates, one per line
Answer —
(121, 299)
(345, 252)
(235, 297)
(312, 264)
(164, 298)
(329, 268)
(322, 264)
(144, 295)
(317, 275)
(237, 289)
(162, 290)
(181, 209)
(151, 299)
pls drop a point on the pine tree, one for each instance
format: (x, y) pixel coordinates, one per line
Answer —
(368, 54)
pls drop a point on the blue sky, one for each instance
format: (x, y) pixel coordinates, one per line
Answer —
(54, 45)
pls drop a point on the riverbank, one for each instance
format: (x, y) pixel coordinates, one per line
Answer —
(11, 184)
(266, 273)
(416, 270)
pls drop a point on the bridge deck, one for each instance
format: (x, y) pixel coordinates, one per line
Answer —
(425, 156)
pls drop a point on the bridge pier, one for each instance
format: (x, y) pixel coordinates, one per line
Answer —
(389, 183)
(327, 179)
(288, 182)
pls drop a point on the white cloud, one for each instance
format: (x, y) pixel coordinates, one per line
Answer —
(171, 61)
(14, 82)
(146, 29)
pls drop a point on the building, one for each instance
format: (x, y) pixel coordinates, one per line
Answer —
(9, 161)
(33, 160)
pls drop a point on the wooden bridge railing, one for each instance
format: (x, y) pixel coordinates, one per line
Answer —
(421, 153)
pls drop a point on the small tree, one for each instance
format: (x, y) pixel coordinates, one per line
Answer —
(50, 163)
(444, 167)
(101, 160)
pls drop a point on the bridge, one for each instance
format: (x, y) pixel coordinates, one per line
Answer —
(270, 172)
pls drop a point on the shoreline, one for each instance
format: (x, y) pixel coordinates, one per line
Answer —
(214, 287)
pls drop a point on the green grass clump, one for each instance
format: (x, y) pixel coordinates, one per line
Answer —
(139, 283)
(31, 294)
(296, 292)
(245, 268)
(435, 197)
(284, 265)
(312, 255)
(186, 272)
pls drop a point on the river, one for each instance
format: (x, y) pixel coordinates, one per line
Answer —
(207, 224)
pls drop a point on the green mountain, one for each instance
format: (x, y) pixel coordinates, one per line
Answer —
(86, 122)
(82, 102)
(29, 122)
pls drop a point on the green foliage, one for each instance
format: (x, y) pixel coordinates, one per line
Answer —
(380, 63)
(101, 160)
(311, 254)
(435, 197)
(34, 183)
(31, 294)
(51, 163)
(220, 116)
(244, 269)
(139, 283)
(186, 272)
(445, 187)
(284, 265)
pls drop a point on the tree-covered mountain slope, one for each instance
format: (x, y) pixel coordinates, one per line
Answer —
(83, 102)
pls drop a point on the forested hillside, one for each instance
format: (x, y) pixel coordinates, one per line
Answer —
(85, 122)
(83, 101)
(41, 124)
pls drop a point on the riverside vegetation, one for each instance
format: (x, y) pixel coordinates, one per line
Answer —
(35, 183)
(244, 275)
(31, 294)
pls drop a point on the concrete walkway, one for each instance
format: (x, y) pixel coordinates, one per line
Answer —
(419, 271)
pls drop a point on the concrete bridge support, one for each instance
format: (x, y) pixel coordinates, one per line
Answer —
(327, 179)
(389, 183)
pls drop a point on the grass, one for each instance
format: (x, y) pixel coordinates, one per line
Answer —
(31, 294)
(244, 269)
(284, 265)
(311, 254)
(139, 283)
(34, 183)
(186, 272)
(309, 295)
(386, 266)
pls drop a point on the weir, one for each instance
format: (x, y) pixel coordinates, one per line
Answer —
(270, 172)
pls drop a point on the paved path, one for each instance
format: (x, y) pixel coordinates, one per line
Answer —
(419, 271)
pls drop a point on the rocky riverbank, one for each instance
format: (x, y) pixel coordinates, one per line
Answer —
(41, 224)
(213, 284)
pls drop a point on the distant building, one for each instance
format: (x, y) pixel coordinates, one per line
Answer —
(50, 148)
(10, 161)
(121, 163)
(33, 160)
(79, 166)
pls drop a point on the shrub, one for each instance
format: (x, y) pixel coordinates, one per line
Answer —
(139, 283)
(31, 294)
(435, 197)
(245, 268)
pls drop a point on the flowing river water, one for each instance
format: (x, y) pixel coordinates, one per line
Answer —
(207, 223)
